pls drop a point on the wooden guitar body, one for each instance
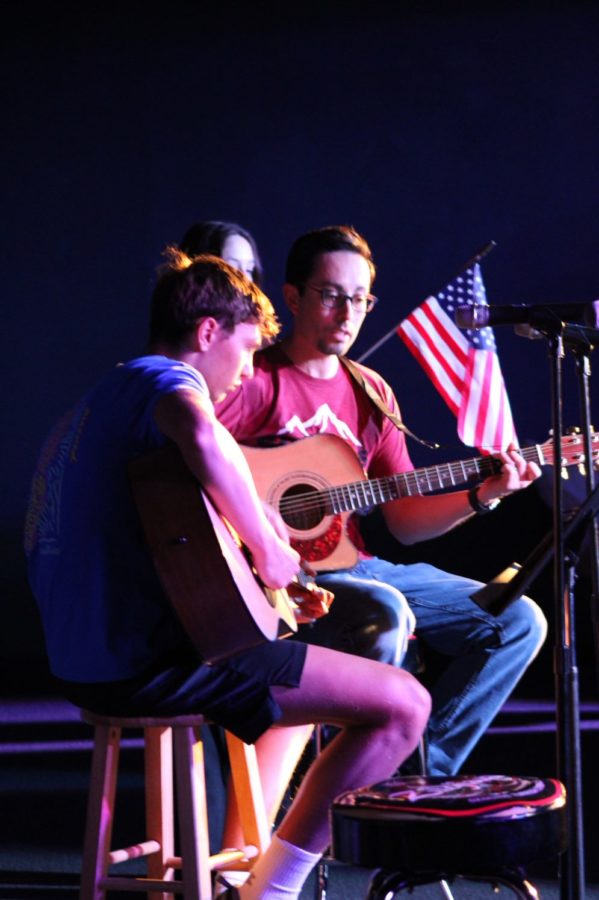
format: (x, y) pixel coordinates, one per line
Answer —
(203, 568)
(308, 469)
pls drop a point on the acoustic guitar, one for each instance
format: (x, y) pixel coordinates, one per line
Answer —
(317, 482)
(204, 568)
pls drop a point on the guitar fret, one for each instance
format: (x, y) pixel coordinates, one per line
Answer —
(336, 497)
(401, 484)
(363, 494)
(348, 503)
(446, 475)
(533, 454)
(413, 483)
(377, 487)
(472, 468)
(348, 497)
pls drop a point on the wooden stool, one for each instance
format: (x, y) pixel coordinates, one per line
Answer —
(419, 830)
(167, 740)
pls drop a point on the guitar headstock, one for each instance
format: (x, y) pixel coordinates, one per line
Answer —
(572, 450)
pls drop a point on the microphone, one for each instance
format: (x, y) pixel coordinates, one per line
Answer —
(544, 315)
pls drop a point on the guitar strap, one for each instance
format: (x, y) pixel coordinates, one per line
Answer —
(377, 401)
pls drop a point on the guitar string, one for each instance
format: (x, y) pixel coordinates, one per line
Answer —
(414, 482)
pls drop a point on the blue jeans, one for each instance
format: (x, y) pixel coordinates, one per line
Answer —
(372, 616)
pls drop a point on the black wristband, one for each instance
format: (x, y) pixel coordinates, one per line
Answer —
(481, 508)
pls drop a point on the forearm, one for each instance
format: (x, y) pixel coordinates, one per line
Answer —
(415, 519)
(219, 465)
(421, 518)
(216, 460)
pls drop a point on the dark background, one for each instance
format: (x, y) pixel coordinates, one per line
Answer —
(432, 128)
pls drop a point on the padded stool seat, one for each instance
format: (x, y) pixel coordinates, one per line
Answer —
(419, 830)
(172, 746)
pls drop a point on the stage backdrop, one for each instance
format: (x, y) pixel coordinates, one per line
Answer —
(431, 131)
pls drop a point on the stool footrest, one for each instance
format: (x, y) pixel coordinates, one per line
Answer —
(145, 848)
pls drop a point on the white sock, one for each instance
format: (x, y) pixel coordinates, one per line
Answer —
(280, 873)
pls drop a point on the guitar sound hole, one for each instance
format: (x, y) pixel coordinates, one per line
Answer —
(301, 507)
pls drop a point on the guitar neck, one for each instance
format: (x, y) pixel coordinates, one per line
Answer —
(371, 492)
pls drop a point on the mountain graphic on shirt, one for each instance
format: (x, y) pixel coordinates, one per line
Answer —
(324, 421)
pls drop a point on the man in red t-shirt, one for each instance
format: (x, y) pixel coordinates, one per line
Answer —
(301, 390)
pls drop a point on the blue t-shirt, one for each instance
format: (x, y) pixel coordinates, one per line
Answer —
(104, 613)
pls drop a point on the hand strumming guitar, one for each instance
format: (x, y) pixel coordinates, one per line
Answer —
(311, 601)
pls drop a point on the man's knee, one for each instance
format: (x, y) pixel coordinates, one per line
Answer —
(372, 626)
(382, 635)
(527, 622)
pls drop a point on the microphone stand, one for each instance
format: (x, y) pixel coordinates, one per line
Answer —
(572, 882)
(572, 870)
(495, 598)
(582, 351)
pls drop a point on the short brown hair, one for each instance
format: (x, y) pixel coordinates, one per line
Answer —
(190, 289)
(307, 248)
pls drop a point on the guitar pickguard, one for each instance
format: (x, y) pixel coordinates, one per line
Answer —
(308, 470)
(323, 546)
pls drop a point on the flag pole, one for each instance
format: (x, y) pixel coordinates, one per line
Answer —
(467, 265)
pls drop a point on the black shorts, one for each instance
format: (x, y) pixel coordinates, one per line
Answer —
(235, 693)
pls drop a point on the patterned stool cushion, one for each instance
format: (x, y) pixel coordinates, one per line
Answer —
(466, 824)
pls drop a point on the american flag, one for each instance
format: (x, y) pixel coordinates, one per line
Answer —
(463, 365)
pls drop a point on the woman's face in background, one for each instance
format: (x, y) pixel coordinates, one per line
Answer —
(237, 251)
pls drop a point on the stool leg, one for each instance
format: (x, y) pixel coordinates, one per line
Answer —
(245, 777)
(159, 804)
(193, 815)
(100, 811)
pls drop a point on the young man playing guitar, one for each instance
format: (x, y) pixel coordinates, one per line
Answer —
(300, 388)
(113, 639)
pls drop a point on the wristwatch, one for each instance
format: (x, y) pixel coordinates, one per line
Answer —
(478, 507)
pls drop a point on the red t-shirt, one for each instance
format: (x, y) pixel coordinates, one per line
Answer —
(282, 403)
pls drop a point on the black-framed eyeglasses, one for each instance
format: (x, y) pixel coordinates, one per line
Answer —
(333, 298)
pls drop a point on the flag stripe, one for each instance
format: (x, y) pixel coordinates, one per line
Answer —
(434, 368)
(452, 337)
(463, 365)
(452, 364)
(443, 361)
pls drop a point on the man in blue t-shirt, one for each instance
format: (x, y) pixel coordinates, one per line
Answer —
(113, 639)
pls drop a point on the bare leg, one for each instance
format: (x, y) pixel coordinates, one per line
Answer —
(382, 712)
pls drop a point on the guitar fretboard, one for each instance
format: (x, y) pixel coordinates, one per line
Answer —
(359, 495)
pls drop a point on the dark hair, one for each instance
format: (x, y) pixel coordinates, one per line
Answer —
(189, 289)
(304, 252)
(209, 237)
